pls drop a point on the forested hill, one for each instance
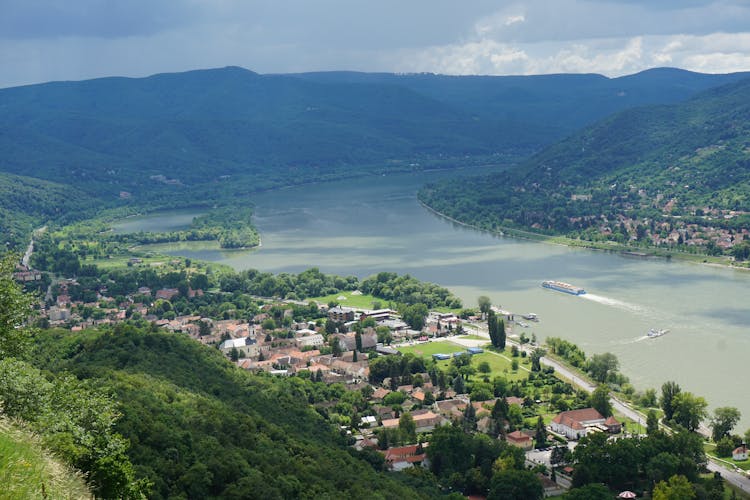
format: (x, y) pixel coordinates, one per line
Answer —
(555, 104)
(199, 427)
(113, 134)
(686, 159)
(194, 127)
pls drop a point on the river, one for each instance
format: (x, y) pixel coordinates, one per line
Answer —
(367, 225)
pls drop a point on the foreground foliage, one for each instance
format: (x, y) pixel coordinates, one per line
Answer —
(28, 472)
(201, 428)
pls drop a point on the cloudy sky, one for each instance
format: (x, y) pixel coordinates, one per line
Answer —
(43, 40)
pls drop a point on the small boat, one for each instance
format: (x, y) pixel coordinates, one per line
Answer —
(531, 317)
(653, 333)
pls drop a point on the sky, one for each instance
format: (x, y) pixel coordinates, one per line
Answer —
(44, 40)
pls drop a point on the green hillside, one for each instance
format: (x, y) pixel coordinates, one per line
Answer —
(112, 134)
(686, 165)
(27, 203)
(200, 428)
(28, 471)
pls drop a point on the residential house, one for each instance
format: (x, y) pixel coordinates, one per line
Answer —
(378, 315)
(425, 421)
(740, 453)
(167, 293)
(403, 457)
(575, 424)
(314, 340)
(520, 439)
(340, 315)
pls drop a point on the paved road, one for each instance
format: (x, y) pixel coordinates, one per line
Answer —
(738, 479)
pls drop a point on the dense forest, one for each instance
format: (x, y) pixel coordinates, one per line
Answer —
(636, 175)
(200, 428)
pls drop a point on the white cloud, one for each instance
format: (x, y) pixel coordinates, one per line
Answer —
(715, 53)
(514, 19)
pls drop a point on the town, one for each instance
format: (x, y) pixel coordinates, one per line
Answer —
(399, 382)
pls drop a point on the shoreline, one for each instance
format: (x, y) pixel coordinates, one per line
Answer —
(625, 251)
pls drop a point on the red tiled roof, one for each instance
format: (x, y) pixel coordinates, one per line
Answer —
(574, 418)
(517, 436)
(611, 421)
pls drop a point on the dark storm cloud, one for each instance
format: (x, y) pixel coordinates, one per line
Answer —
(22, 19)
(76, 39)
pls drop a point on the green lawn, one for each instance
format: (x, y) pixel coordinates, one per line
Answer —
(500, 364)
(352, 300)
(474, 337)
(710, 450)
(427, 349)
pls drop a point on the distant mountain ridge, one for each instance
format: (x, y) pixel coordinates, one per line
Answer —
(231, 120)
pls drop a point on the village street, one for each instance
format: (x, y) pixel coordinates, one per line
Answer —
(738, 479)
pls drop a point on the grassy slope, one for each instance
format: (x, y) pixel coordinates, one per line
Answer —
(28, 472)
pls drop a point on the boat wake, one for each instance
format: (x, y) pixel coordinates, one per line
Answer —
(612, 302)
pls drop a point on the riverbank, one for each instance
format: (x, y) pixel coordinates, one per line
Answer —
(611, 247)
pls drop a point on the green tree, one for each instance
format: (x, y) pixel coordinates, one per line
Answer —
(599, 400)
(600, 366)
(469, 420)
(668, 391)
(336, 347)
(484, 367)
(492, 327)
(15, 309)
(501, 336)
(515, 485)
(407, 428)
(689, 410)
(652, 422)
(484, 304)
(450, 451)
(594, 491)
(560, 455)
(540, 436)
(648, 398)
(204, 328)
(415, 315)
(723, 421)
(458, 385)
(536, 356)
(724, 446)
(676, 488)
(358, 341)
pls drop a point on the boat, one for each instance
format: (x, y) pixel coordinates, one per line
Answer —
(530, 317)
(561, 286)
(653, 333)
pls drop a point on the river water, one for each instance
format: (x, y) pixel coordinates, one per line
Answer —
(367, 225)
